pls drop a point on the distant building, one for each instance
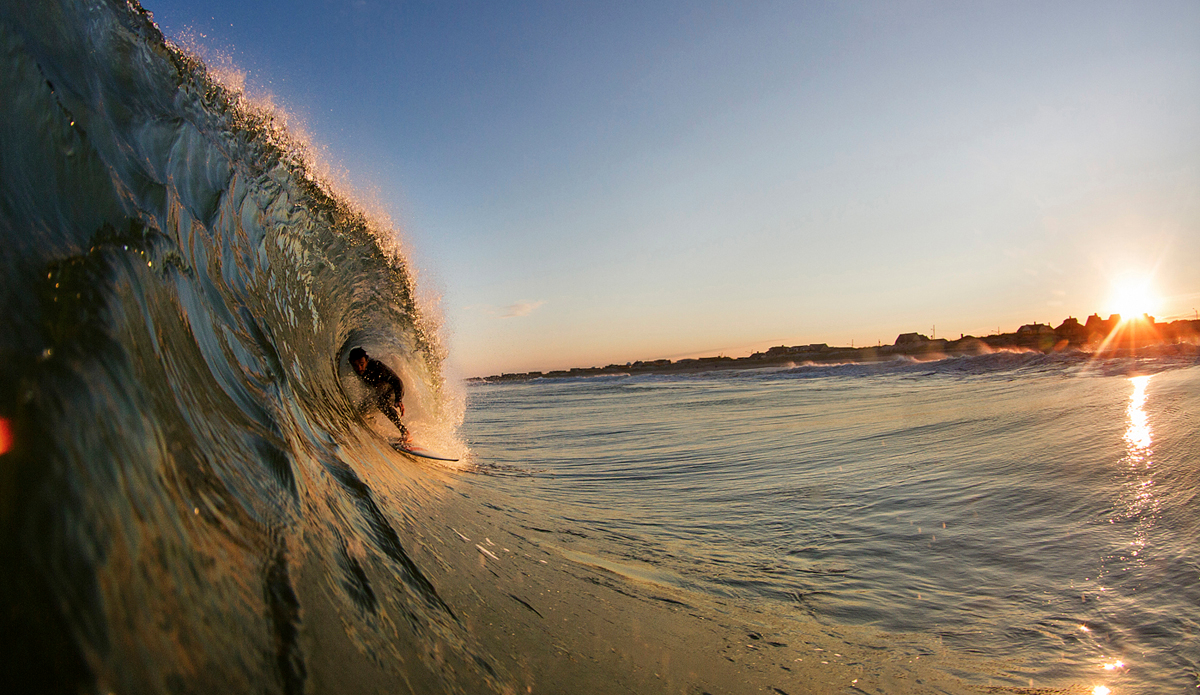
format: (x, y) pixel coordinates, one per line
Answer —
(1032, 329)
(1072, 331)
(1095, 324)
(783, 350)
(911, 339)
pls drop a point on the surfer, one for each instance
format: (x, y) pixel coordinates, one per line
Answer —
(389, 390)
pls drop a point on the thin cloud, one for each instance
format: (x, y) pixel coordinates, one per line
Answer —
(520, 309)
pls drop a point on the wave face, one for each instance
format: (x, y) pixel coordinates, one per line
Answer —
(179, 292)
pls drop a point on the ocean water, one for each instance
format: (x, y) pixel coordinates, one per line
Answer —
(1038, 511)
(195, 499)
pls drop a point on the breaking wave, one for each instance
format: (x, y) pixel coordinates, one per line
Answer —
(179, 293)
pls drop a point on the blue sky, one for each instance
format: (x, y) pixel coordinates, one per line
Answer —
(593, 183)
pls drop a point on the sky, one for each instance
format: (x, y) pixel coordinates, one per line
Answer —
(592, 183)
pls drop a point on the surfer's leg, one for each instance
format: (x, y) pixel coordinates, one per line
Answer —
(392, 415)
(385, 403)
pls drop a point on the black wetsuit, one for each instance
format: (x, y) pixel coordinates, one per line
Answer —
(389, 390)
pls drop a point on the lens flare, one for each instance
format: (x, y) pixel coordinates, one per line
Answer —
(6, 437)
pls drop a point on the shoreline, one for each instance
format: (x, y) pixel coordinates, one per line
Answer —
(1111, 337)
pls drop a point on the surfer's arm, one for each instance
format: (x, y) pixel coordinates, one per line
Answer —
(398, 390)
(394, 381)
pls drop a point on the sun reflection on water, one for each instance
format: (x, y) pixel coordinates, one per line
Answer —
(1141, 500)
(1140, 503)
(1138, 433)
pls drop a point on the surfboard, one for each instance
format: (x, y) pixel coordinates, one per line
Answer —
(414, 450)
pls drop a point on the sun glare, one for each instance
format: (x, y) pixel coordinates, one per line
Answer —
(1133, 297)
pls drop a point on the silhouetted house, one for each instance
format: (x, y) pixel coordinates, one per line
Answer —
(1038, 329)
(917, 344)
(1095, 324)
(784, 350)
(1039, 336)
(1072, 331)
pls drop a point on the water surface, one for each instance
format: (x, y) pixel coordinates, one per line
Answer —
(1038, 510)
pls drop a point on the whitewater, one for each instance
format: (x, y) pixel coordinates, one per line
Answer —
(197, 500)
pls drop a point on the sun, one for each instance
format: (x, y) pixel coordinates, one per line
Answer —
(1133, 296)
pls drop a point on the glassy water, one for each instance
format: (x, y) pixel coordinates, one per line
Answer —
(1040, 511)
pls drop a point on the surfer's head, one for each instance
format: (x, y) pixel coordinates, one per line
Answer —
(358, 359)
